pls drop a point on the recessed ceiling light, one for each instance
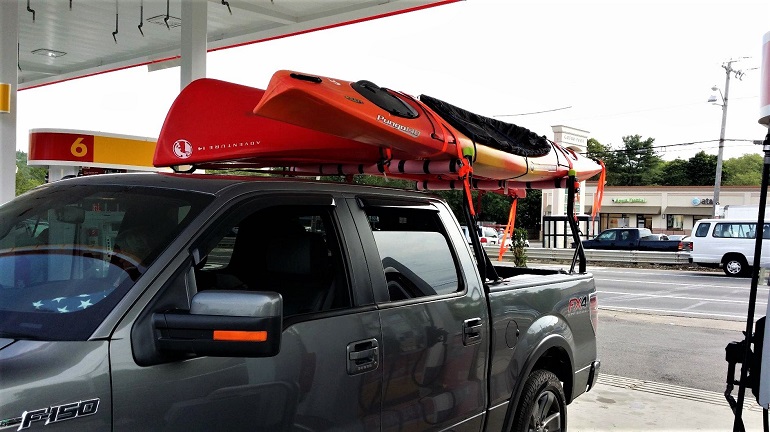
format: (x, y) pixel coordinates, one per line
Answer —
(161, 20)
(48, 52)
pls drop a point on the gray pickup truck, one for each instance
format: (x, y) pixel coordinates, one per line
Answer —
(182, 302)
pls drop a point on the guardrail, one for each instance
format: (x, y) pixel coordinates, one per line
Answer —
(595, 255)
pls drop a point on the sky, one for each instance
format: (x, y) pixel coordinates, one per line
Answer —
(613, 68)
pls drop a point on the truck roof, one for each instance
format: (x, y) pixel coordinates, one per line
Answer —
(218, 183)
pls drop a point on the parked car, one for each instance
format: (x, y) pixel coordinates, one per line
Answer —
(488, 236)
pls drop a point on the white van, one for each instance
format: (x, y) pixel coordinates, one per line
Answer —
(729, 244)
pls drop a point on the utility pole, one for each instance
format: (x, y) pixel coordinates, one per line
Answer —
(728, 67)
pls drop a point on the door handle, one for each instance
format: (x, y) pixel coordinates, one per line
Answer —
(363, 356)
(472, 331)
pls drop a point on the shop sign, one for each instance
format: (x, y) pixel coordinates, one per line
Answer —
(629, 200)
(701, 201)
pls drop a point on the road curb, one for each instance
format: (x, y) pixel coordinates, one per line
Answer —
(671, 390)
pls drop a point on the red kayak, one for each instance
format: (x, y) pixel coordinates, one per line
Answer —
(212, 121)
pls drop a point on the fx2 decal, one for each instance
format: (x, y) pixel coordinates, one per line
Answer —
(577, 304)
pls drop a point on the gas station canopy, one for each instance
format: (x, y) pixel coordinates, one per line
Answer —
(48, 41)
(65, 39)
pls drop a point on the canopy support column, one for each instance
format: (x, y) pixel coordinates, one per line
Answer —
(194, 44)
(9, 60)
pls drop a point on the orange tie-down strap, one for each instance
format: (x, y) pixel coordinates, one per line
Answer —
(508, 233)
(599, 192)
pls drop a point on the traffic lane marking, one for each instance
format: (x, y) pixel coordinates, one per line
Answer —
(681, 284)
(676, 312)
(702, 299)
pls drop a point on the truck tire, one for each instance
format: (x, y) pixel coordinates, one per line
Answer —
(542, 406)
(735, 265)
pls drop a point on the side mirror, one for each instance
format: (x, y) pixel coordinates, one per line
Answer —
(223, 324)
(70, 214)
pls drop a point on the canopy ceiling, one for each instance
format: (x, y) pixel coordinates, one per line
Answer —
(65, 39)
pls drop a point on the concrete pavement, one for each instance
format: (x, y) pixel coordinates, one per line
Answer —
(619, 404)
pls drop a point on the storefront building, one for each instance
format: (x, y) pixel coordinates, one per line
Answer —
(664, 209)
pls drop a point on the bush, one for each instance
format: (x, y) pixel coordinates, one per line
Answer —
(518, 249)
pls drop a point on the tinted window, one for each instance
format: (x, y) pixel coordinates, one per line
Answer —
(702, 230)
(416, 256)
(68, 254)
(291, 250)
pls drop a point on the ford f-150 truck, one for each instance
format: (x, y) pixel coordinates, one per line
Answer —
(181, 302)
(631, 239)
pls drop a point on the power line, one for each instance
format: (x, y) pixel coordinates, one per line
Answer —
(664, 146)
(535, 112)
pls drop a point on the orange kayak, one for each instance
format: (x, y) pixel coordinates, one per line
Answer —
(359, 111)
(425, 128)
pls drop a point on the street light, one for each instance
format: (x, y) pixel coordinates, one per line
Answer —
(718, 176)
(728, 67)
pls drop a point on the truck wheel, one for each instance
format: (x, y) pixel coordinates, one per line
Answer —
(735, 265)
(542, 407)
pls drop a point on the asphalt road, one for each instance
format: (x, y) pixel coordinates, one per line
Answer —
(688, 352)
(699, 294)
(671, 326)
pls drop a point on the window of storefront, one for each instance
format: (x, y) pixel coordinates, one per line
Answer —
(644, 221)
(614, 220)
(675, 222)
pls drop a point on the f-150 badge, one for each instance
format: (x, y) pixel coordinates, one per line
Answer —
(52, 414)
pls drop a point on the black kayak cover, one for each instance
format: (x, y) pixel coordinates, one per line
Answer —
(490, 132)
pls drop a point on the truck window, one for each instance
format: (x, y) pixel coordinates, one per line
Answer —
(416, 255)
(292, 250)
(607, 236)
(67, 258)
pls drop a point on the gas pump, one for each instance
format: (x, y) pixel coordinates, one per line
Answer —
(755, 362)
(755, 367)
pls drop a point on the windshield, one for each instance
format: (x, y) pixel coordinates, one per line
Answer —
(68, 254)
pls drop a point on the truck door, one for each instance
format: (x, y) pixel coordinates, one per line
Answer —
(327, 374)
(626, 239)
(433, 316)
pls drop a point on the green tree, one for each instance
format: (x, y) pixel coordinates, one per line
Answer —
(27, 177)
(745, 170)
(604, 153)
(637, 163)
(702, 169)
(675, 173)
(529, 210)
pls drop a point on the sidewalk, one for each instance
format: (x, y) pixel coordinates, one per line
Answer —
(619, 404)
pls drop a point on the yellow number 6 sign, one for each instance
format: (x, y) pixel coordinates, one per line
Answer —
(78, 148)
